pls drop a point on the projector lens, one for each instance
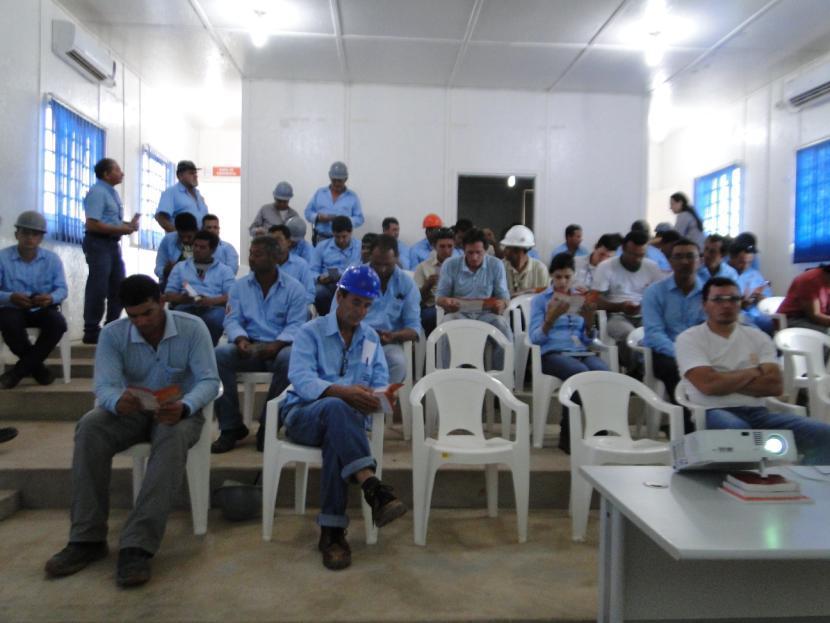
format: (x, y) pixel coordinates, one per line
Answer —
(775, 444)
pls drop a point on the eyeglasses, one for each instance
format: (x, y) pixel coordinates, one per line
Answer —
(684, 256)
(725, 299)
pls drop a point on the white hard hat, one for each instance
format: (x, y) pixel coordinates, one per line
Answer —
(519, 236)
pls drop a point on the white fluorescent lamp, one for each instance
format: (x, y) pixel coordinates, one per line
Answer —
(259, 29)
(511, 181)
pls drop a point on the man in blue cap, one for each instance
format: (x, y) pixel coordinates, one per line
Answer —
(336, 362)
(181, 197)
(332, 201)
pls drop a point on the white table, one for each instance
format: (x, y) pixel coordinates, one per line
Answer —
(688, 551)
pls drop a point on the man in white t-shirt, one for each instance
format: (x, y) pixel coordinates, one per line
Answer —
(620, 283)
(731, 367)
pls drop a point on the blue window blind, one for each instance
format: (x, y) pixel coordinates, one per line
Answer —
(718, 201)
(156, 175)
(72, 146)
(812, 204)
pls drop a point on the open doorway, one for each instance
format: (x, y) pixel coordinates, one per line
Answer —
(496, 201)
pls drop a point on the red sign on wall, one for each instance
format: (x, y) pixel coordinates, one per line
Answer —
(227, 171)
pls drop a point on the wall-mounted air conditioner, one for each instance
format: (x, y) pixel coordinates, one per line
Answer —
(809, 85)
(83, 53)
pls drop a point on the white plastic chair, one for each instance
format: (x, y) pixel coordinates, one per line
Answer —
(634, 340)
(519, 310)
(467, 341)
(769, 307)
(804, 365)
(413, 354)
(604, 344)
(279, 452)
(249, 382)
(459, 394)
(605, 397)
(64, 345)
(198, 471)
(681, 395)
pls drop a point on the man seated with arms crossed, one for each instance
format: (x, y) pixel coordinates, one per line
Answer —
(475, 275)
(154, 349)
(731, 367)
(807, 304)
(670, 307)
(331, 257)
(289, 263)
(200, 285)
(225, 251)
(586, 265)
(265, 309)
(336, 362)
(524, 274)
(176, 246)
(427, 273)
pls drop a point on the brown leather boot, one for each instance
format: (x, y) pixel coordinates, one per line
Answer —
(336, 551)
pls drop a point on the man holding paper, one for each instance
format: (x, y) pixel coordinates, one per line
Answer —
(336, 364)
(168, 355)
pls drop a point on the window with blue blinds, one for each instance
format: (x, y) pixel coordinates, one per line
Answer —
(72, 146)
(156, 175)
(718, 201)
(812, 204)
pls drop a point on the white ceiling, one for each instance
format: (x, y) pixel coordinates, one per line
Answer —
(730, 48)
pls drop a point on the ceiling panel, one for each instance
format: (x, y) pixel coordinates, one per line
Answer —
(432, 19)
(542, 21)
(619, 71)
(312, 16)
(788, 25)
(153, 12)
(512, 67)
(401, 62)
(286, 57)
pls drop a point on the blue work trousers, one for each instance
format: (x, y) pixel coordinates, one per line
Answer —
(106, 272)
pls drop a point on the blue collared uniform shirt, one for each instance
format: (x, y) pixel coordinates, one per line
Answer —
(567, 332)
(271, 318)
(328, 255)
(226, 254)
(184, 357)
(169, 251)
(403, 255)
(176, 200)
(103, 204)
(347, 204)
(217, 281)
(724, 270)
(298, 268)
(43, 275)
(563, 248)
(419, 251)
(457, 280)
(305, 250)
(667, 312)
(748, 281)
(319, 358)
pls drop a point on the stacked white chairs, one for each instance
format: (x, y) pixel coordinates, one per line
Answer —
(805, 366)
(280, 452)
(198, 471)
(519, 310)
(467, 344)
(65, 347)
(681, 395)
(605, 397)
(459, 394)
(769, 307)
(634, 340)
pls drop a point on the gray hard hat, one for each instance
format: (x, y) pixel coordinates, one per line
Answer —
(338, 171)
(31, 220)
(239, 502)
(297, 227)
(283, 191)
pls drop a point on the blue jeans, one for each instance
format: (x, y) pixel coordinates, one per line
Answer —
(106, 272)
(396, 362)
(564, 367)
(338, 429)
(13, 324)
(323, 294)
(428, 319)
(229, 363)
(812, 438)
(213, 317)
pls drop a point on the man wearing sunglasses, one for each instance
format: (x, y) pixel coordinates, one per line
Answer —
(732, 367)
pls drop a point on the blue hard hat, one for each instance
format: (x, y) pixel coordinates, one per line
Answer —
(283, 191)
(360, 280)
(338, 171)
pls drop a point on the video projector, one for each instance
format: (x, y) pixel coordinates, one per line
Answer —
(733, 449)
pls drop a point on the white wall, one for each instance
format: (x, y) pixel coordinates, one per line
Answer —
(761, 135)
(132, 111)
(406, 146)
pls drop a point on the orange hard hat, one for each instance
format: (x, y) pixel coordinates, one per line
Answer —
(432, 220)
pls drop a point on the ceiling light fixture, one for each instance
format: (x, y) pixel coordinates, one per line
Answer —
(259, 29)
(511, 181)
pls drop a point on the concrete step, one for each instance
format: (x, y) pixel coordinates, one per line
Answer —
(9, 502)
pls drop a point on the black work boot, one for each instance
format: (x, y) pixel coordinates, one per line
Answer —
(74, 557)
(133, 567)
(227, 439)
(336, 551)
(385, 506)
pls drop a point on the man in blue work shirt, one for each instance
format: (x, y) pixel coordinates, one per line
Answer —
(176, 246)
(392, 227)
(670, 307)
(200, 285)
(421, 250)
(181, 197)
(572, 244)
(714, 262)
(331, 257)
(265, 309)
(32, 287)
(332, 201)
(103, 229)
(291, 264)
(752, 284)
(336, 363)
(225, 252)
(475, 275)
(300, 247)
(152, 349)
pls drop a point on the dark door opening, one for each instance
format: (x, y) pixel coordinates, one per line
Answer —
(489, 201)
